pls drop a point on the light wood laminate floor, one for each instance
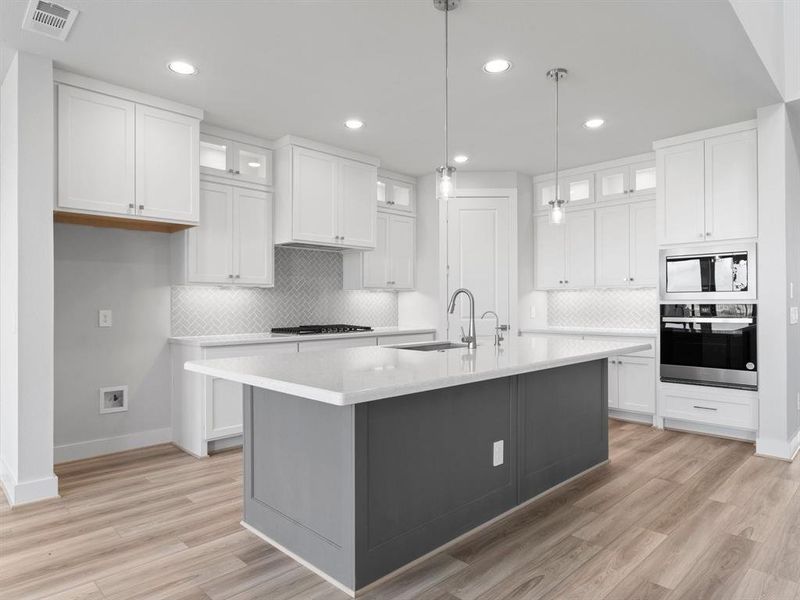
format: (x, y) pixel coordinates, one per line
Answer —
(673, 515)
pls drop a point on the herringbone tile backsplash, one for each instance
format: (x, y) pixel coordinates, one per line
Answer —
(308, 290)
(609, 308)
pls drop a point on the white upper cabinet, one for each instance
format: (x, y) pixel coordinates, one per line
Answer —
(579, 249)
(579, 188)
(209, 251)
(402, 251)
(233, 243)
(96, 152)
(681, 193)
(235, 160)
(643, 245)
(731, 186)
(613, 246)
(396, 194)
(120, 157)
(642, 178)
(548, 254)
(391, 265)
(626, 254)
(315, 201)
(708, 188)
(167, 165)
(564, 254)
(545, 193)
(253, 248)
(356, 221)
(323, 199)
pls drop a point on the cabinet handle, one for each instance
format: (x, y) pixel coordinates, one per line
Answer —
(230, 276)
(131, 206)
(704, 407)
(560, 281)
(141, 207)
(341, 237)
(230, 171)
(237, 276)
(631, 279)
(632, 191)
(566, 281)
(708, 234)
(236, 172)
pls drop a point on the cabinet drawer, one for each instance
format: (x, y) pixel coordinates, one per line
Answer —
(717, 407)
(387, 340)
(249, 350)
(331, 344)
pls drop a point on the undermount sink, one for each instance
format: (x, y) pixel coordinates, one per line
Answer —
(428, 347)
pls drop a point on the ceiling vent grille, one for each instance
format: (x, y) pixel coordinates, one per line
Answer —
(50, 19)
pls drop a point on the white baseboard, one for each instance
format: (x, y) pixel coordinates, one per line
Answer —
(706, 429)
(90, 448)
(25, 492)
(783, 450)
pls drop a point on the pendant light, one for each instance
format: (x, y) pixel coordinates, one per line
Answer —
(446, 174)
(557, 212)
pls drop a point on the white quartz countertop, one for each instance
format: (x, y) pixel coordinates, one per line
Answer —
(269, 338)
(593, 331)
(353, 375)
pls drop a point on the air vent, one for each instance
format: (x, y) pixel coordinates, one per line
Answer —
(50, 19)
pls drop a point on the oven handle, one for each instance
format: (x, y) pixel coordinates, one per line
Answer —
(707, 319)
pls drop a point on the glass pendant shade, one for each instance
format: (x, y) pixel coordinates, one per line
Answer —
(445, 183)
(557, 213)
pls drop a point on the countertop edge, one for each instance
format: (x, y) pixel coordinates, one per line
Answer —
(204, 341)
(649, 333)
(342, 399)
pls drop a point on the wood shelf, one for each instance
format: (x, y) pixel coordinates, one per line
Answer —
(117, 222)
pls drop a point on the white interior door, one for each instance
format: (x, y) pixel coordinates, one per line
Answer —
(479, 247)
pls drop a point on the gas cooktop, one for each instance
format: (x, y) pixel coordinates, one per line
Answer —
(318, 329)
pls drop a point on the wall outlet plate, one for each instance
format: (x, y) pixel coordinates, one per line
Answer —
(497, 453)
(104, 318)
(113, 399)
(794, 315)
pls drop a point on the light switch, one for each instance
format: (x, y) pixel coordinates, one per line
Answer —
(794, 315)
(497, 453)
(104, 317)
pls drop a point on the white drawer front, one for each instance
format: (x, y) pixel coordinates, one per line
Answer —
(726, 410)
(249, 350)
(386, 340)
(341, 343)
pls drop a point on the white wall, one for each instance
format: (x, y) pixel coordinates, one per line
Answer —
(127, 272)
(26, 280)
(764, 24)
(793, 270)
(776, 373)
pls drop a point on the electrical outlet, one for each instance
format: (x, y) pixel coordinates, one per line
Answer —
(794, 315)
(497, 453)
(104, 317)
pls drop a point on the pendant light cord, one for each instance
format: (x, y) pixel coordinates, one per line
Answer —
(446, 83)
(558, 194)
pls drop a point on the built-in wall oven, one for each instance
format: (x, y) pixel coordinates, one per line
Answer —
(709, 344)
(714, 273)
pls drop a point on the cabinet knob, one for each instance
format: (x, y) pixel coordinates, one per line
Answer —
(341, 237)
(566, 281)
(631, 279)
(230, 171)
(708, 234)
(141, 207)
(131, 206)
(631, 191)
(230, 276)
(236, 172)
(560, 281)
(237, 276)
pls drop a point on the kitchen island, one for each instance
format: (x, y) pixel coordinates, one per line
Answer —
(360, 461)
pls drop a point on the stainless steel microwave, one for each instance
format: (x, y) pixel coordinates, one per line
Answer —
(709, 273)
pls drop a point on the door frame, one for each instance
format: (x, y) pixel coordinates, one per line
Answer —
(513, 260)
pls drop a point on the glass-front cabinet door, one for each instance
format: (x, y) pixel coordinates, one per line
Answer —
(545, 193)
(215, 155)
(251, 163)
(613, 184)
(580, 188)
(643, 178)
(395, 194)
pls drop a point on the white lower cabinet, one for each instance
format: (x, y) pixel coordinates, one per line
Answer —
(206, 409)
(632, 384)
(721, 407)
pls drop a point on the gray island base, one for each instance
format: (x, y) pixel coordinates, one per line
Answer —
(358, 491)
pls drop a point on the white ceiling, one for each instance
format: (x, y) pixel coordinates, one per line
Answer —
(652, 69)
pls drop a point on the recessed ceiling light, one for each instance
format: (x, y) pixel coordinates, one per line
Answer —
(182, 67)
(354, 124)
(497, 65)
(461, 158)
(594, 123)
(254, 164)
